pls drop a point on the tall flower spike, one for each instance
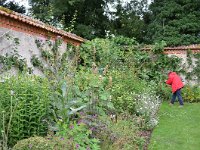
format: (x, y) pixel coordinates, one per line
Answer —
(94, 68)
(105, 70)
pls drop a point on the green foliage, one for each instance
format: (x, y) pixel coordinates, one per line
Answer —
(128, 19)
(12, 6)
(95, 89)
(24, 101)
(100, 51)
(78, 136)
(35, 61)
(34, 143)
(191, 94)
(124, 42)
(155, 67)
(121, 135)
(126, 64)
(164, 91)
(73, 14)
(175, 22)
(112, 52)
(60, 69)
(158, 48)
(125, 86)
(192, 71)
(12, 61)
(196, 69)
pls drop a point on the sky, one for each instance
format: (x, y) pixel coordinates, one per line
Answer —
(21, 2)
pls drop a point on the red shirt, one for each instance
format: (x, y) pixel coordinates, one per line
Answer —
(175, 81)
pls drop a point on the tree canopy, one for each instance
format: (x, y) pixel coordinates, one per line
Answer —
(86, 17)
(13, 6)
(174, 21)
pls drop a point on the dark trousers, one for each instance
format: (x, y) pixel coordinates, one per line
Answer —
(177, 94)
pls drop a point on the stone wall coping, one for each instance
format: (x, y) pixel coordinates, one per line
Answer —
(188, 47)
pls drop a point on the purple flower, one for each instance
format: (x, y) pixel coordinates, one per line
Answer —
(71, 127)
(81, 113)
(77, 146)
(80, 121)
(92, 129)
(95, 116)
(62, 138)
(88, 148)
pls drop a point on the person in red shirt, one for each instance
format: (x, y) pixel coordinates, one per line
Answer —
(175, 81)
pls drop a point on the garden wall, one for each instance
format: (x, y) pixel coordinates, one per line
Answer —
(182, 51)
(189, 61)
(19, 35)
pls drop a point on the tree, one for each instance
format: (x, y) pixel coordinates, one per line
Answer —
(174, 21)
(13, 6)
(128, 19)
(87, 17)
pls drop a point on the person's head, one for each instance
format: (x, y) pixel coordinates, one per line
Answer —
(169, 73)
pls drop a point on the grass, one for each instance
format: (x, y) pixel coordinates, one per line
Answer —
(178, 129)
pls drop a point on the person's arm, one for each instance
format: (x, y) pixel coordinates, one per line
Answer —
(169, 81)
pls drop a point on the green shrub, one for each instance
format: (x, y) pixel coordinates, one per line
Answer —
(164, 91)
(34, 143)
(24, 104)
(76, 135)
(124, 89)
(120, 135)
(191, 94)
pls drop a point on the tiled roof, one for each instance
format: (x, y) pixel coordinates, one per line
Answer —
(37, 23)
(189, 47)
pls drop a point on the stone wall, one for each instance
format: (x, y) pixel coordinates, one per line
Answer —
(24, 45)
(182, 52)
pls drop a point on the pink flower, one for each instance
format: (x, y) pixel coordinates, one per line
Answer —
(71, 127)
(80, 121)
(95, 116)
(62, 138)
(77, 146)
(81, 113)
(92, 129)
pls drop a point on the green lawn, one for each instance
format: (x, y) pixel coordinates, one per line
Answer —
(178, 128)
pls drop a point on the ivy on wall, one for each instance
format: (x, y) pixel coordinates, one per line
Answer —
(12, 59)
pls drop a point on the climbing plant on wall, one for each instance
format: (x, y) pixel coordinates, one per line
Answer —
(12, 58)
(192, 68)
